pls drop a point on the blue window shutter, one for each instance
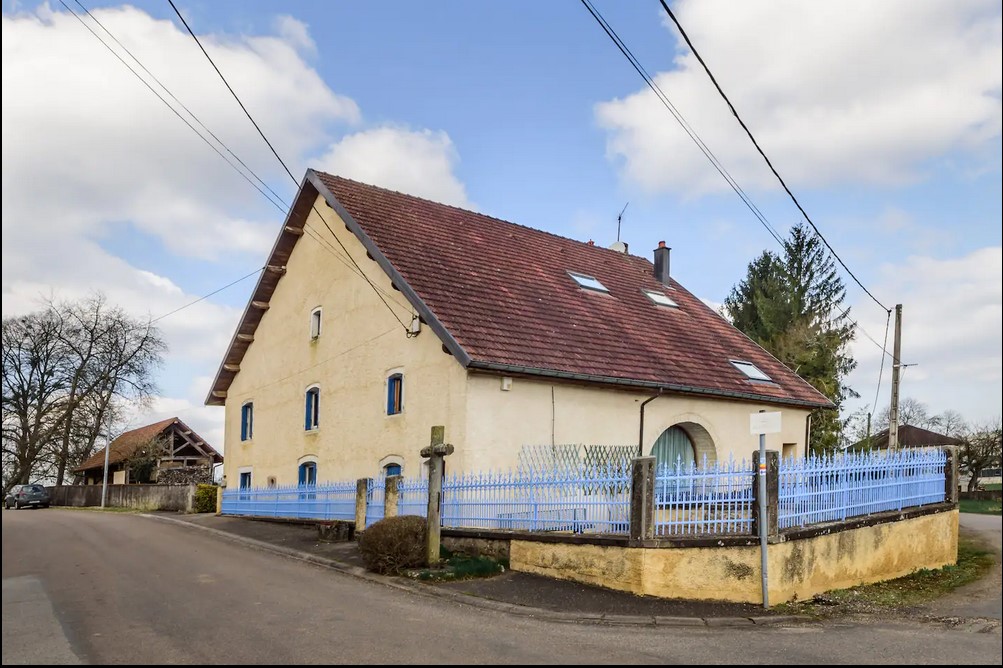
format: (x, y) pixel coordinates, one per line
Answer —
(302, 479)
(390, 395)
(315, 416)
(243, 423)
(309, 409)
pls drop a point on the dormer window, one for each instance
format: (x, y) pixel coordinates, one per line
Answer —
(315, 322)
(588, 282)
(751, 371)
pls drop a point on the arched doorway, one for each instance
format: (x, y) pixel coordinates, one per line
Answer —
(674, 448)
(684, 443)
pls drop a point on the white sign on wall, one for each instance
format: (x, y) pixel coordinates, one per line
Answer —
(764, 423)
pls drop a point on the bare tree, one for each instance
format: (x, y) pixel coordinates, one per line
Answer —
(145, 458)
(912, 412)
(67, 370)
(113, 357)
(35, 380)
(980, 450)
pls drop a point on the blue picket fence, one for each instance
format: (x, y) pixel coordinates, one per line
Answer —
(375, 500)
(714, 498)
(327, 501)
(832, 488)
(581, 499)
(412, 496)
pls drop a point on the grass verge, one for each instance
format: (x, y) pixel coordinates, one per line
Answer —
(982, 507)
(974, 560)
(460, 567)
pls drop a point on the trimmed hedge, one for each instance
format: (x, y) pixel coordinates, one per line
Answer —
(205, 499)
(394, 544)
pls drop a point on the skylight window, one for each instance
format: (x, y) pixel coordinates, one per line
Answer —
(588, 282)
(751, 371)
(660, 298)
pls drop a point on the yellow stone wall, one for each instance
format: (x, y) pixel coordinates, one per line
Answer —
(797, 569)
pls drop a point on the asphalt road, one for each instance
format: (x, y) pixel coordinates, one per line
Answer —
(118, 588)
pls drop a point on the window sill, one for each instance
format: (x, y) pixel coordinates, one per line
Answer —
(311, 431)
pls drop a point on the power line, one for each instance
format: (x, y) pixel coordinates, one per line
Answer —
(357, 270)
(183, 106)
(683, 123)
(881, 369)
(206, 296)
(773, 169)
(175, 111)
(281, 161)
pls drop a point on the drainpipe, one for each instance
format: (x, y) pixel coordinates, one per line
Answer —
(640, 437)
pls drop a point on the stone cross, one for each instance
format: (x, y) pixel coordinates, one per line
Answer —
(436, 452)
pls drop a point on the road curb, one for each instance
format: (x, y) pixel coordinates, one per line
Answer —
(486, 603)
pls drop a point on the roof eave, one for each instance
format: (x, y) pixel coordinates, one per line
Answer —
(643, 384)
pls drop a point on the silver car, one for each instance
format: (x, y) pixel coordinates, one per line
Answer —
(25, 496)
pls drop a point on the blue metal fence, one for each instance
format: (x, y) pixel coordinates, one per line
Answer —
(375, 500)
(412, 496)
(327, 501)
(831, 488)
(713, 498)
(582, 499)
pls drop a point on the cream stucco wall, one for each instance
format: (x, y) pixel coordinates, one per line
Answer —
(536, 412)
(359, 345)
(797, 568)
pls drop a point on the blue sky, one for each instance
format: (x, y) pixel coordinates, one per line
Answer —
(884, 119)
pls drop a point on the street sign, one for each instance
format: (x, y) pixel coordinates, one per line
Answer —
(764, 423)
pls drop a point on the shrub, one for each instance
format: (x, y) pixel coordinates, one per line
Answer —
(393, 544)
(205, 499)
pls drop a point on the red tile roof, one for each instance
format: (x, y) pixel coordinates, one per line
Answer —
(125, 445)
(503, 292)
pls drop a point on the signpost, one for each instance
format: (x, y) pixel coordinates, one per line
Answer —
(763, 423)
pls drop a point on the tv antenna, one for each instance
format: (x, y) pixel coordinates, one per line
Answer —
(619, 219)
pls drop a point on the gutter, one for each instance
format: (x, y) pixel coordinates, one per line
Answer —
(640, 436)
(514, 369)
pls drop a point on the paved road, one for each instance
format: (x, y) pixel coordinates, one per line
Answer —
(121, 588)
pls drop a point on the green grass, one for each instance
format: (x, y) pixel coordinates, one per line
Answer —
(974, 560)
(993, 486)
(983, 507)
(461, 567)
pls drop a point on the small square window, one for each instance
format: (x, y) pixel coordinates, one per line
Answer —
(588, 282)
(660, 298)
(751, 371)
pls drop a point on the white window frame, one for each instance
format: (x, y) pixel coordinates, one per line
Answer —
(655, 296)
(586, 282)
(250, 423)
(316, 408)
(740, 364)
(316, 317)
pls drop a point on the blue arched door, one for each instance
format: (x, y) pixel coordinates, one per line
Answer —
(674, 447)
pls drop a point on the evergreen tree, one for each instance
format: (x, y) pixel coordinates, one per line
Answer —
(791, 304)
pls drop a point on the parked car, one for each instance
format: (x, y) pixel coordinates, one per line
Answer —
(23, 496)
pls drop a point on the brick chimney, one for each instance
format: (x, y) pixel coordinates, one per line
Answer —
(662, 263)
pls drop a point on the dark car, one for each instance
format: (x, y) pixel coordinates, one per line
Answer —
(23, 496)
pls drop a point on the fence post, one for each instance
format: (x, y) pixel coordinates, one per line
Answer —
(391, 496)
(361, 503)
(219, 500)
(951, 474)
(642, 499)
(772, 495)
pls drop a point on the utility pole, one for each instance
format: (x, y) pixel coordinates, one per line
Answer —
(893, 413)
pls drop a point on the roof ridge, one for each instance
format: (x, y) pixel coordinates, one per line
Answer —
(483, 215)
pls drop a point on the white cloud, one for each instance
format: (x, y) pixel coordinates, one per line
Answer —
(952, 311)
(852, 92)
(89, 155)
(416, 162)
(297, 33)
